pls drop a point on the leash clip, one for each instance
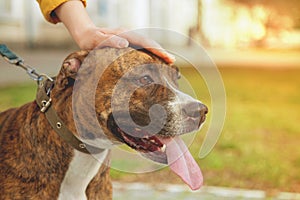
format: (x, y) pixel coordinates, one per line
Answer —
(32, 74)
(13, 59)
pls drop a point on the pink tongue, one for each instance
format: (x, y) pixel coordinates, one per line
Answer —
(182, 163)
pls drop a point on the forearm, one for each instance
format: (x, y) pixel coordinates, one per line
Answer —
(48, 6)
(75, 23)
(73, 15)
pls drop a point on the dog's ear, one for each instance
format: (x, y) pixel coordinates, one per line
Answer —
(70, 68)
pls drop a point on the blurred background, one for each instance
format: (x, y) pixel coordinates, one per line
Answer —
(256, 47)
(214, 23)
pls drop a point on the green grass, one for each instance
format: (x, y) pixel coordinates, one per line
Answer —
(260, 143)
(16, 95)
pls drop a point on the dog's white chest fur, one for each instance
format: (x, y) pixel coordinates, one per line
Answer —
(81, 171)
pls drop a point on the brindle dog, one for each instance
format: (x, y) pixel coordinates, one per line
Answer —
(36, 163)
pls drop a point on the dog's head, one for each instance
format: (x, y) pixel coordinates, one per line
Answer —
(136, 101)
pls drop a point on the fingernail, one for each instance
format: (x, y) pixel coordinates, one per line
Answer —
(171, 56)
(123, 43)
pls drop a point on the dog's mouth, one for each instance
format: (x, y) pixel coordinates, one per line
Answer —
(150, 146)
(162, 149)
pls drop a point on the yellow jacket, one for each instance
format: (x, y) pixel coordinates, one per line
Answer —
(47, 7)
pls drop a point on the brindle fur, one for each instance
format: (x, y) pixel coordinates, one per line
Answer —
(34, 159)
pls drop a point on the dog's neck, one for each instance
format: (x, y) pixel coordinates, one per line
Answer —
(76, 112)
(62, 103)
(80, 168)
(83, 167)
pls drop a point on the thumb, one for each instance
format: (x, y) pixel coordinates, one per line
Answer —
(113, 41)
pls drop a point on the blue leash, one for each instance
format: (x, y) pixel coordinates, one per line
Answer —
(13, 59)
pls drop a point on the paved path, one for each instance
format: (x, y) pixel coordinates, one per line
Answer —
(124, 191)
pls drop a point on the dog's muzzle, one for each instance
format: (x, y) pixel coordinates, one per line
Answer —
(194, 113)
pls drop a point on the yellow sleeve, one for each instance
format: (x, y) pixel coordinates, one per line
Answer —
(47, 7)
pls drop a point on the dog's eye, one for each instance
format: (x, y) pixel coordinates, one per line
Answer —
(145, 80)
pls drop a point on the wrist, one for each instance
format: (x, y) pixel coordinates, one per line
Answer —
(83, 34)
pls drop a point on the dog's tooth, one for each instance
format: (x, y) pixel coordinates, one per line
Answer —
(163, 148)
(138, 129)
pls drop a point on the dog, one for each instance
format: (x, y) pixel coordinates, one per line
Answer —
(38, 163)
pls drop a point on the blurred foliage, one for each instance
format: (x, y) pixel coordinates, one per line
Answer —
(289, 8)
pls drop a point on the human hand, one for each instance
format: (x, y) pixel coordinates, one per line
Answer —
(94, 37)
(88, 36)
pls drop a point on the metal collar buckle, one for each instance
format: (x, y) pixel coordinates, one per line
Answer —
(45, 105)
(42, 84)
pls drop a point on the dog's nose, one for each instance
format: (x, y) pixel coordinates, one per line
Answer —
(195, 110)
(203, 109)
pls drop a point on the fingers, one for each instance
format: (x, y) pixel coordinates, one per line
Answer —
(139, 40)
(169, 58)
(113, 41)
